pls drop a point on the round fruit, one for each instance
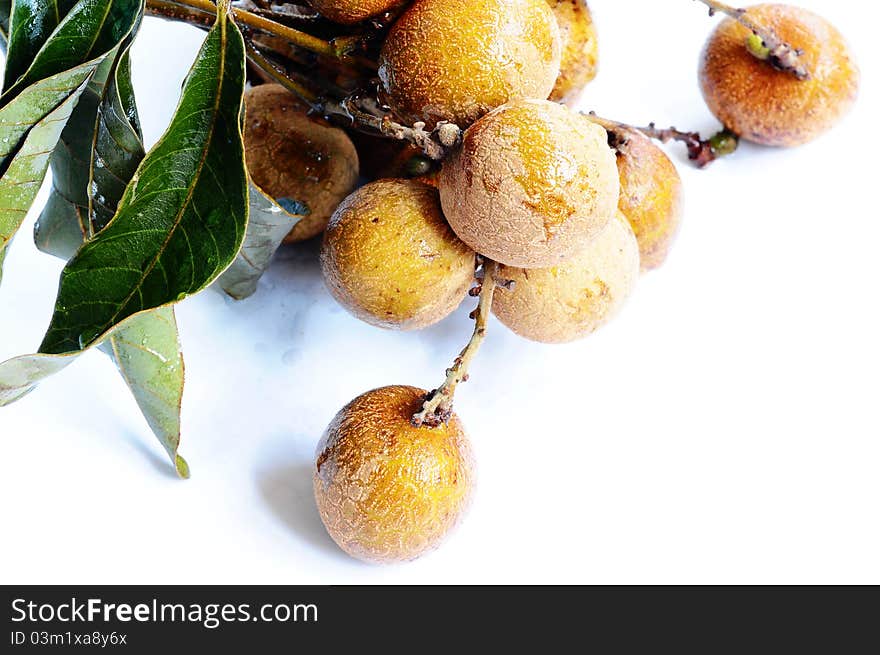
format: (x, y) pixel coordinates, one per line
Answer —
(352, 11)
(580, 49)
(532, 184)
(650, 195)
(572, 300)
(388, 491)
(390, 258)
(773, 107)
(455, 60)
(294, 157)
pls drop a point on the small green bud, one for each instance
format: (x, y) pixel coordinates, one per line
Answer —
(418, 165)
(724, 143)
(756, 46)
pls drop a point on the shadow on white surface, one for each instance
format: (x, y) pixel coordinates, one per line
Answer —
(287, 490)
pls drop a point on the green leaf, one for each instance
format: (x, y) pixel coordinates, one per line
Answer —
(35, 109)
(147, 354)
(5, 10)
(30, 127)
(268, 224)
(183, 217)
(90, 30)
(102, 149)
(28, 23)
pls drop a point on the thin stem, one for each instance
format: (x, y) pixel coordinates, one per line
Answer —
(299, 90)
(700, 151)
(438, 405)
(338, 48)
(766, 44)
(174, 11)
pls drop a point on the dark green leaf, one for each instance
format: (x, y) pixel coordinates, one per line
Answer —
(182, 219)
(30, 127)
(28, 23)
(90, 30)
(5, 10)
(268, 224)
(102, 149)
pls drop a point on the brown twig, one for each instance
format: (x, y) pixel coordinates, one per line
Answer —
(338, 48)
(438, 405)
(700, 151)
(764, 43)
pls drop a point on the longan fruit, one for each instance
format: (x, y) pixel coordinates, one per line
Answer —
(388, 491)
(455, 60)
(348, 12)
(390, 258)
(532, 184)
(570, 301)
(295, 157)
(773, 107)
(651, 196)
(580, 49)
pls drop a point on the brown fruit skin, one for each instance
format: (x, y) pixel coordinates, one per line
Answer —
(390, 258)
(768, 106)
(580, 49)
(348, 12)
(388, 491)
(291, 155)
(570, 301)
(455, 60)
(531, 185)
(651, 196)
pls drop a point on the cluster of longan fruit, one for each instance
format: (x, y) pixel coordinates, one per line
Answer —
(568, 212)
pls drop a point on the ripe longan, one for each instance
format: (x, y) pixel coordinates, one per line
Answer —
(580, 49)
(352, 11)
(532, 184)
(773, 107)
(388, 491)
(390, 258)
(455, 60)
(570, 301)
(294, 157)
(651, 196)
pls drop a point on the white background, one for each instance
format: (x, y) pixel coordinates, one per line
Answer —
(724, 429)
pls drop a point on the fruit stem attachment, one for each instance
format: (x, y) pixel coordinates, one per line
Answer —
(700, 151)
(438, 405)
(763, 43)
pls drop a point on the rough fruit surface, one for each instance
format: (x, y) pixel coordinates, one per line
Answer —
(651, 196)
(388, 491)
(580, 49)
(455, 60)
(352, 11)
(531, 185)
(390, 258)
(771, 107)
(570, 301)
(293, 157)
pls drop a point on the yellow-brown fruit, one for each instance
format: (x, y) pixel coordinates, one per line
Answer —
(352, 11)
(455, 60)
(390, 258)
(532, 184)
(388, 491)
(773, 107)
(294, 157)
(651, 195)
(572, 300)
(580, 49)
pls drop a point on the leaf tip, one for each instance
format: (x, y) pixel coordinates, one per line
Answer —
(181, 467)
